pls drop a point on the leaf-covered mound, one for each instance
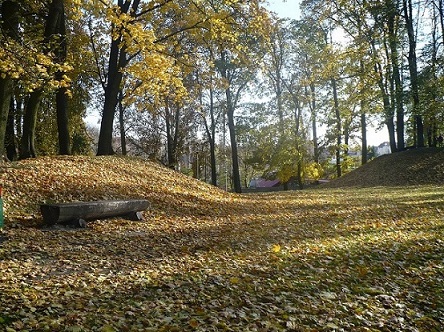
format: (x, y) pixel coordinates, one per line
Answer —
(29, 183)
(409, 167)
(204, 260)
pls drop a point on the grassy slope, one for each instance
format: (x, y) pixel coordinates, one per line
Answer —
(323, 260)
(32, 182)
(410, 167)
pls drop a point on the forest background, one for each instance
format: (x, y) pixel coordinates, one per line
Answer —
(221, 90)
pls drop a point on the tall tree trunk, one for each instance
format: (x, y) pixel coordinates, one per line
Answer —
(441, 17)
(116, 63)
(232, 130)
(56, 27)
(169, 135)
(299, 147)
(364, 146)
(10, 144)
(280, 109)
(388, 107)
(432, 131)
(6, 91)
(363, 103)
(313, 122)
(211, 134)
(391, 131)
(116, 59)
(10, 22)
(122, 124)
(62, 122)
(172, 128)
(394, 57)
(29, 122)
(176, 134)
(408, 14)
(231, 106)
(338, 128)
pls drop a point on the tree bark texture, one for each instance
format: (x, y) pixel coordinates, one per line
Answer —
(10, 142)
(364, 146)
(172, 122)
(363, 104)
(388, 108)
(54, 41)
(10, 18)
(232, 130)
(117, 62)
(338, 128)
(56, 28)
(210, 130)
(413, 69)
(396, 75)
(122, 124)
(27, 146)
(314, 122)
(65, 212)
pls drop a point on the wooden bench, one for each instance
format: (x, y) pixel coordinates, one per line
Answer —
(76, 213)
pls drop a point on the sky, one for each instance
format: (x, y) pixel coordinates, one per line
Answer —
(285, 9)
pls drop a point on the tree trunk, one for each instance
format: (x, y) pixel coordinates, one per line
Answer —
(300, 174)
(10, 22)
(169, 135)
(338, 128)
(413, 69)
(122, 125)
(172, 131)
(211, 133)
(299, 147)
(117, 56)
(210, 130)
(441, 17)
(6, 90)
(56, 26)
(117, 62)
(10, 143)
(29, 122)
(213, 162)
(363, 103)
(388, 109)
(396, 76)
(391, 131)
(364, 146)
(62, 122)
(313, 123)
(432, 130)
(176, 135)
(232, 130)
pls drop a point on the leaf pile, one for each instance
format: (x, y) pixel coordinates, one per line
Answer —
(323, 260)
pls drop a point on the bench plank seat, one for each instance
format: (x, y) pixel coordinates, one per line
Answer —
(76, 212)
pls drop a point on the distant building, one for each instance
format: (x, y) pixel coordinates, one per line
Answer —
(383, 148)
(263, 183)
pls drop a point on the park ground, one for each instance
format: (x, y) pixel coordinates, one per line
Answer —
(364, 253)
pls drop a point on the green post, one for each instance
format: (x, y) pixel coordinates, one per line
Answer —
(1, 209)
